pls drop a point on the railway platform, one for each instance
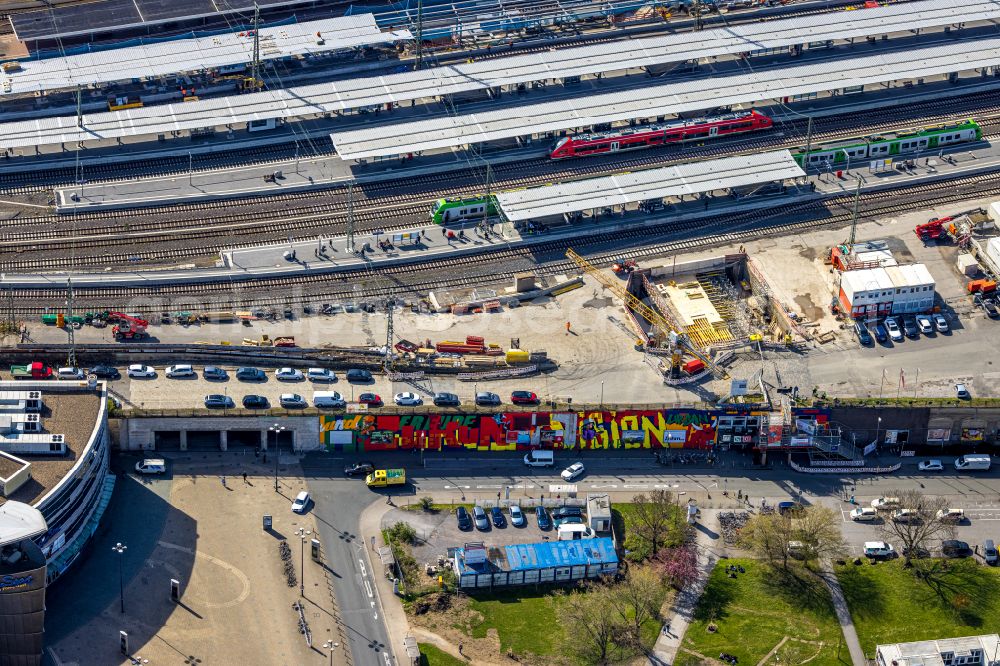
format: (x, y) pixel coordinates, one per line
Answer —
(207, 184)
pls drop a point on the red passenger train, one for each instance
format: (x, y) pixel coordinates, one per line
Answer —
(679, 131)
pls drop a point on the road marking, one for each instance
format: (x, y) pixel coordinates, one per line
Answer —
(456, 487)
(490, 487)
(602, 487)
(221, 563)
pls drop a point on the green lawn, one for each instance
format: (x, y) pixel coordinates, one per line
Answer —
(936, 599)
(524, 620)
(757, 610)
(434, 656)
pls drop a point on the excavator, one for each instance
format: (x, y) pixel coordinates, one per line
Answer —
(128, 328)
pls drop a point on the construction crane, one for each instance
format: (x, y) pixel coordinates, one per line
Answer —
(649, 314)
(128, 328)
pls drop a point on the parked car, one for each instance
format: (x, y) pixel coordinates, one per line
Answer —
(789, 508)
(879, 550)
(479, 515)
(797, 550)
(321, 375)
(864, 514)
(487, 399)
(139, 371)
(301, 502)
(918, 553)
(962, 392)
(542, 518)
(289, 375)
(463, 519)
(932, 465)
(568, 520)
(517, 518)
(360, 377)
(370, 399)
(359, 468)
(70, 373)
(895, 333)
(861, 331)
(255, 402)
(910, 328)
(497, 516)
(885, 503)
(218, 401)
(925, 324)
(407, 399)
(179, 371)
(881, 333)
(572, 472)
(250, 375)
(523, 398)
(951, 515)
(213, 372)
(446, 400)
(104, 372)
(566, 511)
(954, 548)
(991, 309)
(907, 516)
(940, 323)
(292, 401)
(990, 554)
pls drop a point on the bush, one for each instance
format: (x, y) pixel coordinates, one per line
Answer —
(427, 503)
(401, 533)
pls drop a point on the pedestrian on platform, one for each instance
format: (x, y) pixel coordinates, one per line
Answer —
(223, 479)
(244, 477)
(567, 328)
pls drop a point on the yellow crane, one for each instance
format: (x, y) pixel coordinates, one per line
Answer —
(649, 314)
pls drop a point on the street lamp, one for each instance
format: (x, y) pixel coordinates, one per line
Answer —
(120, 548)
(331, 646)
(303, 533)
(277, 430)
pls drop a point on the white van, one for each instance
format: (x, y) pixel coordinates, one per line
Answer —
(330, 399)
(973, 461)
(540, 458)
(574, 532)
(175, 371)
(151, 466)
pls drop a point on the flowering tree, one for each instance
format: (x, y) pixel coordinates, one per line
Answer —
(678, 565)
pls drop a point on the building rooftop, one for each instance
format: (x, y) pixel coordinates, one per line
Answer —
(20, 521)
(929, 653)
(530, 556)
(72, 414)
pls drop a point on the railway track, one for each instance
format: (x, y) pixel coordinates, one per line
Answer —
(42, 244)
(544, 258)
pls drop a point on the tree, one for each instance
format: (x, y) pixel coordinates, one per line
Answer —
(657, 516)
(637, 598)
(591, 622)
(678, 565)
(818, 527)
(767, 537)
(915, 534)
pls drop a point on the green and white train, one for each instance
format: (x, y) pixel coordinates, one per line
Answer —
(446, 211)
(881, 146)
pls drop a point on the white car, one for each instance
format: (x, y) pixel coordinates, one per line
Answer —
(906, 516)
(141, 371)
(924, 324)
(940, 323)
(301, 502)
(930, 466)
(70, 373)
(864, 514)
(175, 371)
(289, 375)
(407, 399)
(573, 471)
(895, 332)
(879, 549)
(951, 515)
(883, 503)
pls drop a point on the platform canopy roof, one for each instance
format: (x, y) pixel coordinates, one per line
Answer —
(20, 521)
(626, 188)
(189, 55)
(302, 101)
(650, 101)
(86, 18)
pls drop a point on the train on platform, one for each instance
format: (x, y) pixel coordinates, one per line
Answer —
(891, 144)
(446, 211)
(680, 131)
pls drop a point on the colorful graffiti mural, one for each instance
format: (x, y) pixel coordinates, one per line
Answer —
(509, 431)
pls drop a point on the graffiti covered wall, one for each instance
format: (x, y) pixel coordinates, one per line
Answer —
(509, 431)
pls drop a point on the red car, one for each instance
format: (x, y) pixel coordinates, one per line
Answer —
(370, 399)
(523, 398)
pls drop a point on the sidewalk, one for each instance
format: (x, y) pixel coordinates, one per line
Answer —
(709, 545)
(843, 613)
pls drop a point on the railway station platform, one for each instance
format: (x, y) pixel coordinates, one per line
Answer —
(425, 243)
(178, 188)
